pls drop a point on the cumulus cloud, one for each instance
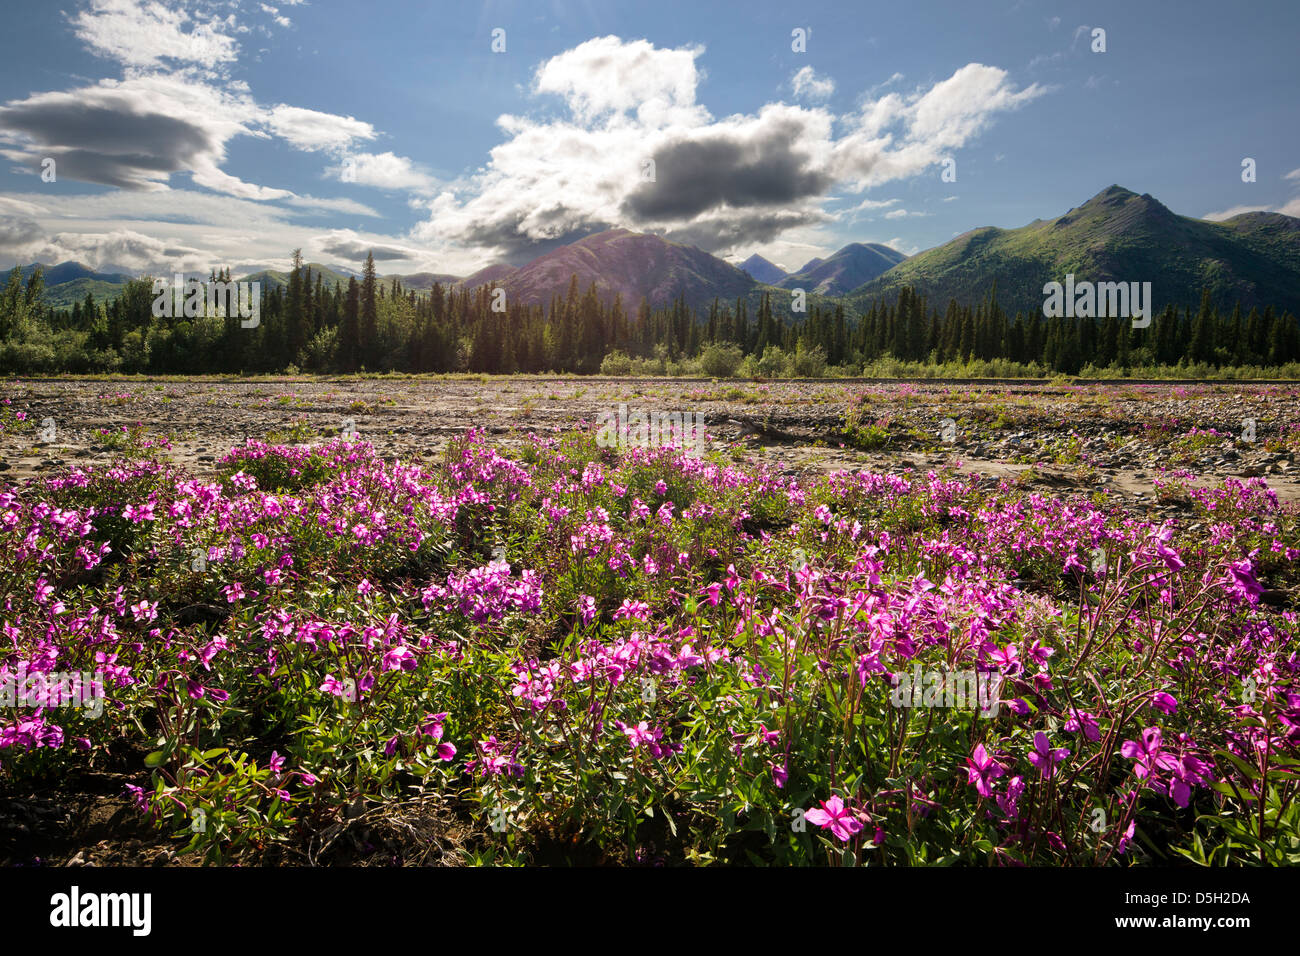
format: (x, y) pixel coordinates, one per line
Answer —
(775, 158)
(613, 135)
(808, 85)
(631, 147)
(123, 248)
(606, 76)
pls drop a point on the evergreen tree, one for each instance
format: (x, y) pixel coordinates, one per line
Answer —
(369, 324)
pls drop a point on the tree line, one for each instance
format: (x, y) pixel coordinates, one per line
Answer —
(373, 324)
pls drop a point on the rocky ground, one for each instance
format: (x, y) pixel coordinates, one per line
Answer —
(1118, 438)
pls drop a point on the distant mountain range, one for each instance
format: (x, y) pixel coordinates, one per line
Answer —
(70, 282)
(1253, 258)
(851, 267)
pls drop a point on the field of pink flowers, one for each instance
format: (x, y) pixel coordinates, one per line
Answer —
(575, 654)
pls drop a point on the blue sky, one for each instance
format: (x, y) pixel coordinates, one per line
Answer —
(185, 135)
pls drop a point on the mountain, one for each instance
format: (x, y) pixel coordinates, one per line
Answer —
(810, 264)
(851, 267)
(272, 279)
(423, 281)
(1253, 258)
(65, 294)
(762, 270)
(633, 265)
(69, 282)
(71, 271)
(493, 273)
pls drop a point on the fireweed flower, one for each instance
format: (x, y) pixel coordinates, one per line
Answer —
(1009, 802)
(833, 815)
(982, 770)
(1044, 757)
(1008, 660)
(1147, 753)
(401, 657)
(1164, 703)
(636, 610)
(432, 726)
(1083, 721)
(780, 776)
(1126, 838)
(332, 685)
(1161, 539)
(1241, 582)
(640, 734)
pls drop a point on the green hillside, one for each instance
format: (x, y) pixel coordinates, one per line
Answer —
(1117, 235)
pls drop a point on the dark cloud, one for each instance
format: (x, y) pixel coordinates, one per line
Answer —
(17, 232)
(356, 250)
(115, 145)
(696, 175)
(513, 246)
(750, 228)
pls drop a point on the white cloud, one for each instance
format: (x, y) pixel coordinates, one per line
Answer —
(607, 77)
(144, 34)
(341, 205)
(384, 171)
(725, 184)
(868, 204)
(274, 14)
(312, 130)
(1291, 208)
(159, 231)
(898, 136)
(808, 85)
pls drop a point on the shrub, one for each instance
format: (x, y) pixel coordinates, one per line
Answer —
(721, 360)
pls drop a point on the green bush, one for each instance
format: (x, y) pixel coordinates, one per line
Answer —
(721, 360)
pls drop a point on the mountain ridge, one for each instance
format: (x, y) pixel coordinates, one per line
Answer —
(1117, 235)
